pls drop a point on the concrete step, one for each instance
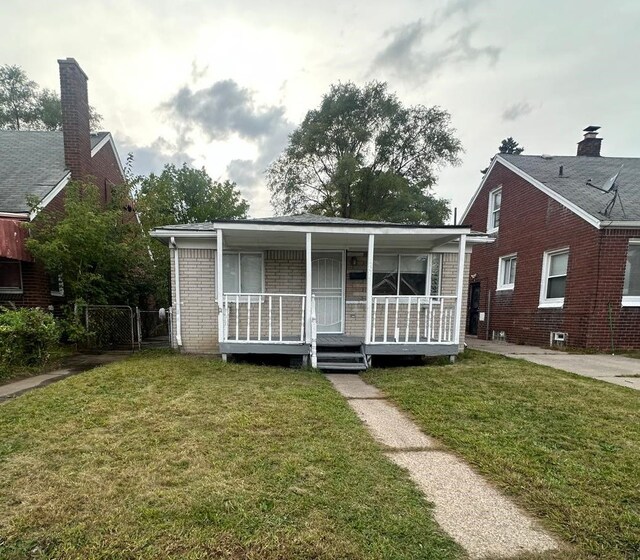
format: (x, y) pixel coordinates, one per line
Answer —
(341, 366)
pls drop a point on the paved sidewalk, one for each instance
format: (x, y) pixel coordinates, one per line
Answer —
(73, 365)
(605, 367)
(476, 515)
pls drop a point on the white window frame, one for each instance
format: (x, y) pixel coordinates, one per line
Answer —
(546, 261)
(428, 272)
(501, 268)
(630, 301)
(6, 289)
(491, 228)
(60, 291)
(220, 275)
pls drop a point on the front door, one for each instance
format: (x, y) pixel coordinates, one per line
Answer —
(327, 285)
(474, 308)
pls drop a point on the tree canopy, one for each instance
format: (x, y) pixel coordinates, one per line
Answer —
(23, 105)
(510, 146)
(363, 154)
(507, 146)
(101, 253)
(184, 195)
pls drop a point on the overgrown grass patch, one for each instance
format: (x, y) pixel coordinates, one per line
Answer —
(567, 447)
(168, 456)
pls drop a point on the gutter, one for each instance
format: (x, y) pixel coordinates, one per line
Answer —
(176, 266)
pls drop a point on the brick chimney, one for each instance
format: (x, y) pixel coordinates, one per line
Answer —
(75, 118)
(590, 144)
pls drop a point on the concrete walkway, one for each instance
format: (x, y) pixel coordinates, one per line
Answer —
(73, 365)
(483, 521)
(605, 367)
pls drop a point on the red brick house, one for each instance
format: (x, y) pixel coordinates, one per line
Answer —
(565, 263)
(40, 164)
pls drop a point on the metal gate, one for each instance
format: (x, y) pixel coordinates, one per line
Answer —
(153, 328)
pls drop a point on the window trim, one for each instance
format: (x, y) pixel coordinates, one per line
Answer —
(491, 210)
(630, 301)
(220, 275)
(546, 261)
(501, 264)
(15, 291)
(428, 273)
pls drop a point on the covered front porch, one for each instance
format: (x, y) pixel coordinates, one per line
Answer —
(321, 289)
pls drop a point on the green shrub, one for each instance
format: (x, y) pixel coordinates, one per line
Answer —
(27, 337)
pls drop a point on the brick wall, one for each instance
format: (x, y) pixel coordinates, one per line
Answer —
(530, 224)
(199, 311)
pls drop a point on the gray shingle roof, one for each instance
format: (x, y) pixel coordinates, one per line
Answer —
(306, 219)
(31, 163)
(577, 170)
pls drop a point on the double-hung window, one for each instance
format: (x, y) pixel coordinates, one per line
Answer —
(10, 276)
(242, 273)
(407, 275)
(554, 278)
(495, 202)
(631, 288)
(507, 272)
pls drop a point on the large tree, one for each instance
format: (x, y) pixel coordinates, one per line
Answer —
(18, 98)
(100, 252)
(363, 154)
(24, 106)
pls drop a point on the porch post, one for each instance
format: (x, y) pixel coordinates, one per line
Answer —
(307, 301)
(220, 289)
(367, 334)
(462, 246)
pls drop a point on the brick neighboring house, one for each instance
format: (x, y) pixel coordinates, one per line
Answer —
(577, 256)
(40, 164)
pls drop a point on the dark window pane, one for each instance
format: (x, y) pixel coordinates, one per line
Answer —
(385, 283)
(555, 287)
(413, 284)
(10, 277)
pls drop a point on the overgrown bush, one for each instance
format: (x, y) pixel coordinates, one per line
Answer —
(27, 337)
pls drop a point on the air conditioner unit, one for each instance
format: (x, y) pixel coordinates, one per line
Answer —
(558, 338)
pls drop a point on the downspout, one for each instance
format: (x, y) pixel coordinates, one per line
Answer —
(176, 267)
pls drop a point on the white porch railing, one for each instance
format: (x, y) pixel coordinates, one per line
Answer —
(258, 317)
(413, 319)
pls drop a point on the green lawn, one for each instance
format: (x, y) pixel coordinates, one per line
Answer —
(167, 456)
(566, 447)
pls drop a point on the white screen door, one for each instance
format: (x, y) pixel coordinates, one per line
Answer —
(327, 283)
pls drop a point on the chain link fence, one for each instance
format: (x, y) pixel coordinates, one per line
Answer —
(122, 327)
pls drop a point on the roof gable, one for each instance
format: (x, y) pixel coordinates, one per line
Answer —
(570, 188)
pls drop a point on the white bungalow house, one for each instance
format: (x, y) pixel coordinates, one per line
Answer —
(335, 291)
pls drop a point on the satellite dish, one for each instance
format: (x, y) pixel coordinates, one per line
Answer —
(610, 186)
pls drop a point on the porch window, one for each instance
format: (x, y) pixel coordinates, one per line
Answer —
(554, 278)
(631, 289)
(406, 275)
(242, 273)
(507, 272)
(495, 202)
(10, 276)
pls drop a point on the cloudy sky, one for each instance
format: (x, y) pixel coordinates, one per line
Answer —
(221, 84)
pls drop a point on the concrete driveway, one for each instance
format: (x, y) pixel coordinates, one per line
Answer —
(612, 369)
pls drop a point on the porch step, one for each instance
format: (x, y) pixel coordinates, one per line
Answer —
(338, 355)
(342, 366)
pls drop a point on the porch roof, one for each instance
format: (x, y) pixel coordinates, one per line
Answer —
(328, 233)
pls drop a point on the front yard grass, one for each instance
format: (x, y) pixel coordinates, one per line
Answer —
(566, 447)
(168, 456)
